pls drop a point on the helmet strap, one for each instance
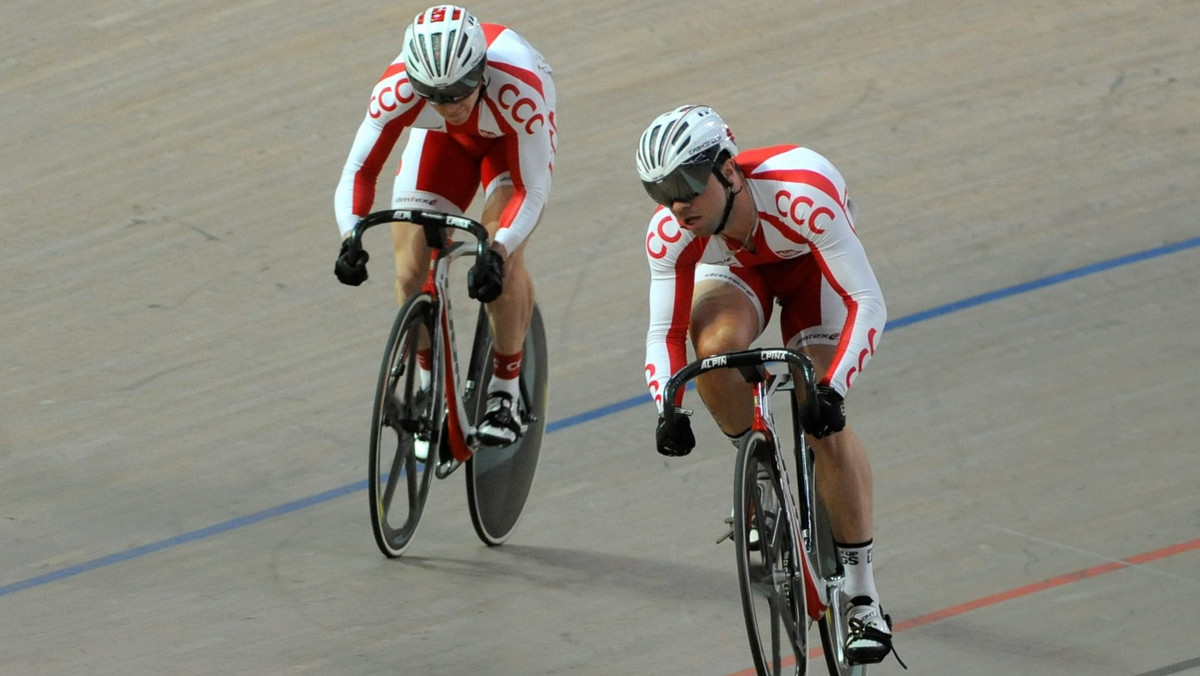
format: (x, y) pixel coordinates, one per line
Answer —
(730, 193)
(482, 91)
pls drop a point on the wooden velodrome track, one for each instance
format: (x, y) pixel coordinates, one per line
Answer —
(186, 388)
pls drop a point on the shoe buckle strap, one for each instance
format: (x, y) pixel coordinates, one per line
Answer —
(860, 629)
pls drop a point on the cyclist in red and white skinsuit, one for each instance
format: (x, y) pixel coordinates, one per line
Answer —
(733, 234)
(479, 103)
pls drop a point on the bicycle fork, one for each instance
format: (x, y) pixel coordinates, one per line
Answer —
(816, 597)
(458, 430)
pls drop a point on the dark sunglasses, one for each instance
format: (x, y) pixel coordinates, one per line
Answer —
(682, 185)
(451, 93)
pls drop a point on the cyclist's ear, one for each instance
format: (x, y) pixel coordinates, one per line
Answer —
(729, 168)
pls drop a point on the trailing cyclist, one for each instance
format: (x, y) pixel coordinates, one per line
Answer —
(478, 102)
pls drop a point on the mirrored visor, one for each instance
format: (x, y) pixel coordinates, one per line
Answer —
(681, 185)
(451, 93)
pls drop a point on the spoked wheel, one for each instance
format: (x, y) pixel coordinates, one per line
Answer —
(405, 426)
(767, 560)
(499, 479)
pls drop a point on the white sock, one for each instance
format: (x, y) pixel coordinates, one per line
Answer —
(512, 386)
(736, 439)
(856, 563)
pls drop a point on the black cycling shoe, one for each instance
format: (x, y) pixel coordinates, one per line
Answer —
(500, 425)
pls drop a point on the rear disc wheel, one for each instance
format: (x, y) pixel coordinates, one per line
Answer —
(499, 479)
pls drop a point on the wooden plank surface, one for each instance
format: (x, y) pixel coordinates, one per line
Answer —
(186, 395)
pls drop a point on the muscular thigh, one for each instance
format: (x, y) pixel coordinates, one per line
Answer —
(728, 312)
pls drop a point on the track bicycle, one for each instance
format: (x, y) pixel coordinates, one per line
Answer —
(424, 430)
(788, 569)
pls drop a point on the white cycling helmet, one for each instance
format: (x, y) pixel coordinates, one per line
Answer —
(444, 53)
(678, 151)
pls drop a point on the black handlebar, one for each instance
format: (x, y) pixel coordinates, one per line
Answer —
(433, 222)
(750, 363)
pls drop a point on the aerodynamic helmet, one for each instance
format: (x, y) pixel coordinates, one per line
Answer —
(679, 150)
(445, 53)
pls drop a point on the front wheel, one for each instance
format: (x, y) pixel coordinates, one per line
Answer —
(499, 479)
(833, 641)
(405, 430)
(769, 572)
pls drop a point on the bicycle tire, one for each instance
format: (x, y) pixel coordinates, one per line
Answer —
(397, 481)
(499, 479)
(769, 576)
(824, 557)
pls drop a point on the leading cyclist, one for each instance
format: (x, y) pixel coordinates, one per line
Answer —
(733, 234)
(479, 102)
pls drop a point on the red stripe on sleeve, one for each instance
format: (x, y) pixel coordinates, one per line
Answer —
(367, 175)
(805, 176)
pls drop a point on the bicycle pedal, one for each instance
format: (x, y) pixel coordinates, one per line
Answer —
(728, 535)
(445, 468)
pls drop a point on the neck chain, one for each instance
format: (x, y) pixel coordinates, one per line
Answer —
(749, 238)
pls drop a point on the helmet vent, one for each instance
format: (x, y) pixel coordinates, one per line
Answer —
(435, 58)
(689, 135)
(443, 45)
(678, 138)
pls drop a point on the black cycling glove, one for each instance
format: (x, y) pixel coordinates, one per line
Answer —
(351, 265)
(485, 279)
(830, 413)
(675, 440)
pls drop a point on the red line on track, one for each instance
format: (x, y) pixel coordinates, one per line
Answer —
(1019, 592)
(1059, 581)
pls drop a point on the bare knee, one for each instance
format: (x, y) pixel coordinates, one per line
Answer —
(717, 339)
(722, 320)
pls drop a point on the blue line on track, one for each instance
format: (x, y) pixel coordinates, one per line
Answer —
(1173, 668)
(585, 417)
(1042, 283)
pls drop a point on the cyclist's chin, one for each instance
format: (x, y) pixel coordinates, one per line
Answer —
(698, 226)
(456, 117)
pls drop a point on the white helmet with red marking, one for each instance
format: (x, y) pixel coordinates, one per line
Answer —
(444, 53)
(679, 149)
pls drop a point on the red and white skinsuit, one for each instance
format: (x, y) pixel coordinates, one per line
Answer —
(510, 136)
(807, 257)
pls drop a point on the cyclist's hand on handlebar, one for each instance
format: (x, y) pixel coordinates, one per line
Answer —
(351, 265)
(830, 413)
(675, 440)
(485, 279)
